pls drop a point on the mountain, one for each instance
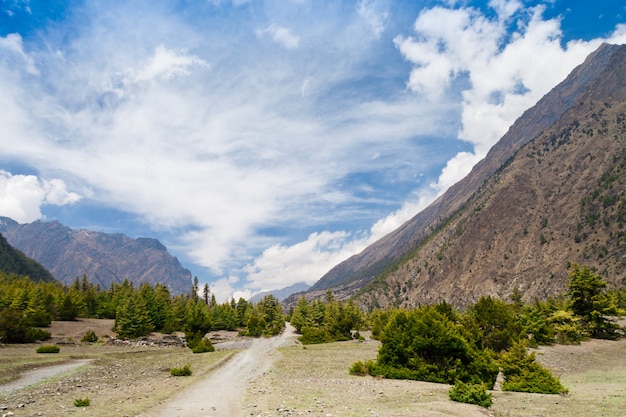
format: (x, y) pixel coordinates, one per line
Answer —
(548, 194)
(282, 293)
(104, 258)
(13, 261)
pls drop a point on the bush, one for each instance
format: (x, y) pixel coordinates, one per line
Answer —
(567, 328)
(203, 346)
(184, 371)
(362, 368)
(523, 374)
(315, 335)
(89, 337)
(471, 394)
(32, 334)
(48, 349)
(198, 343)
(81, 402)
(426, 345)
(15, 329)
(536, 380)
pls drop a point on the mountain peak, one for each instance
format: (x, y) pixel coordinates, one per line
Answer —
(105, 258)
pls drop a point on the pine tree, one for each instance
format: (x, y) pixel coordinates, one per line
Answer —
(589, 301)
(68, 310)
(132, 319)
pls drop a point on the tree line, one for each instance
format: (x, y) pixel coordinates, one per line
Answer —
(28, 307)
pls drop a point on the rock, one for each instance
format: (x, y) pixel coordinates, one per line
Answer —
(497, 386)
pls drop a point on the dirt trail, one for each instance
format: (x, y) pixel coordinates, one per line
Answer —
(221, 393)
(36, 375)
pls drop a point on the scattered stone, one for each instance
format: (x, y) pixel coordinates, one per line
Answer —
(165, 341)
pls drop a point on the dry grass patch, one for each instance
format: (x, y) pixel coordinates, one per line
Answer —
(315, 379)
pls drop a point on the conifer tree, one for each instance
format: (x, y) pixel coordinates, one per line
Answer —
(589, 301)
(132, 319)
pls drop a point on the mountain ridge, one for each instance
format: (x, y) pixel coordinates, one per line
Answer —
(104, 258)
(599, 74)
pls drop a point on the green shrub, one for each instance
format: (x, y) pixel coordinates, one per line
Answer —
(536, 380)
(471, 394)
(15, 328)
(89, 337)
(203, 346)
(48, 349)
(33, 334)
(426, 345)
(315, 335)
(184, 371)
(198, 343)
(81, 402)
(362, 368)
(522, 373)
(567, 328)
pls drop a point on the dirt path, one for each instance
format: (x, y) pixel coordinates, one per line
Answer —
(40, 374)
(221, 393)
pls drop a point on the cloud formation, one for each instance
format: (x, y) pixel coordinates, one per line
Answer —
(280, 35)
(509, 61)
(265, 142)
(22, 196)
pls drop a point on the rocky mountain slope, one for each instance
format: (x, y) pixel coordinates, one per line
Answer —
(549, 193)
(13, 261)
(104, 258)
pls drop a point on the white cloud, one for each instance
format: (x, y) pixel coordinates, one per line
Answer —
(619, 35)
(21, 196)
(13, 44)
(281, 35)
(164, 65)
(507, 73)
(226, 288)
(280, 266)
(375, 16)
(456, 168)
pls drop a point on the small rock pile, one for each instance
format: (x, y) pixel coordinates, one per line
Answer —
(165, 341)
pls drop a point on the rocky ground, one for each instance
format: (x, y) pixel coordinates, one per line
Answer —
(292, 380)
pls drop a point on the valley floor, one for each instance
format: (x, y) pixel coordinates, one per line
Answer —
(294, 380)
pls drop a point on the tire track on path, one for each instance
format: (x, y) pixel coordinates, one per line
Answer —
(221, 392)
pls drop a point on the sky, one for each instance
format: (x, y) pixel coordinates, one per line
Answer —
(264, 142)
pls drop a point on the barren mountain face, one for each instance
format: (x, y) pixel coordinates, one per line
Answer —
(549, 194)
(105, 258)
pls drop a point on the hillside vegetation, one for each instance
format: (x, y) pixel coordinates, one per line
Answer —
(12, 261)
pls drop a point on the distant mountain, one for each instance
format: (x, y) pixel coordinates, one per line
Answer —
(104, 258)
(281, 294)
(551, 192)
(15, 262)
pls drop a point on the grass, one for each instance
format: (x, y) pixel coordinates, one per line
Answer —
(48, 349)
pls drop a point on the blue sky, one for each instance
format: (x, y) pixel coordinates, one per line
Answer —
(264, 142)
